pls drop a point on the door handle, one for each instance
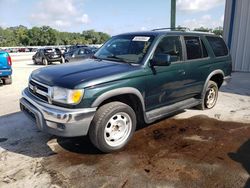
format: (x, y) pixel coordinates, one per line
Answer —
(182, 72)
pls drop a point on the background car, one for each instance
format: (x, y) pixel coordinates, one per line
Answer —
(5, 68)
(79, 54)
(47, 56)
(74, 47)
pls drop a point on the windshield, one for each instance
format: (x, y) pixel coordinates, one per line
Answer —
(125, 48)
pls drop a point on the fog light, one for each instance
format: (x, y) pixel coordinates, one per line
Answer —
(60, 126)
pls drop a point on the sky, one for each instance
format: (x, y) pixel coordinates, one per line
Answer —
(111, 16)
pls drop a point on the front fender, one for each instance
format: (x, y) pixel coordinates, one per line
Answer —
(116, 92)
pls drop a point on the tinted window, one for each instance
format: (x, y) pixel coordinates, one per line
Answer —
(218, 45)
(87, 51)
(81, 52)
(170, 45)
(194, 48)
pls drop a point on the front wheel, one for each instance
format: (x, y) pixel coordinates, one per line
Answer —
(112, 126)
(210, 96)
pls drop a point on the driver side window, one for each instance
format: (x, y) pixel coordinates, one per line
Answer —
(170, 45)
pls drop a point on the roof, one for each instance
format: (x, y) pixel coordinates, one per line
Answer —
(164, 32)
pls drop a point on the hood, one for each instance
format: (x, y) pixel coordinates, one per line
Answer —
(70, 75)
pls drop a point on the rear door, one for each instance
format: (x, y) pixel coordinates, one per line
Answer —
(198, 63)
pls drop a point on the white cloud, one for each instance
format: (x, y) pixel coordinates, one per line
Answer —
(59, 14)
(61, 23)
(197, 5)
(3, 24)
(205, 21)
(83, 19)
(143, 28)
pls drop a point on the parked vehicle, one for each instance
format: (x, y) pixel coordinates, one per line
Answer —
(5, 68)
(47, 56)
(79, 54)
(74, 47)
(135, 78)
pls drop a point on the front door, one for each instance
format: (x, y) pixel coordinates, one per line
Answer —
(165, 84)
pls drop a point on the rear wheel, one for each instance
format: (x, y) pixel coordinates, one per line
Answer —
(112, 126)
(210, 96)
(62, 60)
(7, 81)
(45, 61)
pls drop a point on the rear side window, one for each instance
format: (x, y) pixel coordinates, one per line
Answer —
(195, 48)
(218, 45)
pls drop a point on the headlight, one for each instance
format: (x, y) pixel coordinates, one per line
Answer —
(67, 96)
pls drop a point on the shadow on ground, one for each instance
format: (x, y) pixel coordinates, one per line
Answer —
(20, 135)
(242, 156)
(240, 81)
(194, 152)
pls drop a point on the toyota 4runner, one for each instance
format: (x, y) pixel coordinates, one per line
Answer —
(133, 78)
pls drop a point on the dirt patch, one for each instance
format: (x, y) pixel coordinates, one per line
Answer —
(158, 155)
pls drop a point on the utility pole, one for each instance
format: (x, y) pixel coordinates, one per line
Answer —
(173, 13)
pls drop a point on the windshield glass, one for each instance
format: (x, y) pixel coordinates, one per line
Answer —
(125, 48)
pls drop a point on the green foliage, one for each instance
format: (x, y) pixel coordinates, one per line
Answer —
(45, 35)
(217, 31)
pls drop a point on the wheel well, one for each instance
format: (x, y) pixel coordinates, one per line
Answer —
(218, 79)
(130, 99)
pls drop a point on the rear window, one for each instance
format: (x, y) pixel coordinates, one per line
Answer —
(218, 45)
(52, 50)
(195, 48)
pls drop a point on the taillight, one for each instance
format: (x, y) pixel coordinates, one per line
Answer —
(9, 60)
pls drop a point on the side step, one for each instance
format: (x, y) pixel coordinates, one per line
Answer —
(159, 113)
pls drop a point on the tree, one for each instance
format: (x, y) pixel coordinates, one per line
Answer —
(202, 29)
(218, 31)
(45, 35)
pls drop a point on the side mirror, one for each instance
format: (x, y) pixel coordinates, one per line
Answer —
(161, 60)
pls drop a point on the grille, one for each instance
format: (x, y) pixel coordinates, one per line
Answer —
(39, 90)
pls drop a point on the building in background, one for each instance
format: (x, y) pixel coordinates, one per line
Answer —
(237, 33)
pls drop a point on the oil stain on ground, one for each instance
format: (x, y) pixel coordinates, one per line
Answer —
(194, 152)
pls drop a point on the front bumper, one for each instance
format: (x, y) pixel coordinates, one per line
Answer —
(56, 120)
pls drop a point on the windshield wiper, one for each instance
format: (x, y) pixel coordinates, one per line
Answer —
(120, 59)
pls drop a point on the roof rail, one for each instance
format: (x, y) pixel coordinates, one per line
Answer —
(172, 28)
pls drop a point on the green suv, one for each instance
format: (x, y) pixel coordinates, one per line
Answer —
(133, 78)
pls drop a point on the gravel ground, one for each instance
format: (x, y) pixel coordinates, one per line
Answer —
(192, 149)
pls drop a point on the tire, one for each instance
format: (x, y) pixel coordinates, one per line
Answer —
(62, 61)
(35, 63)
(111, 121)
(7, 81)
(210, 96)
(45, 62)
